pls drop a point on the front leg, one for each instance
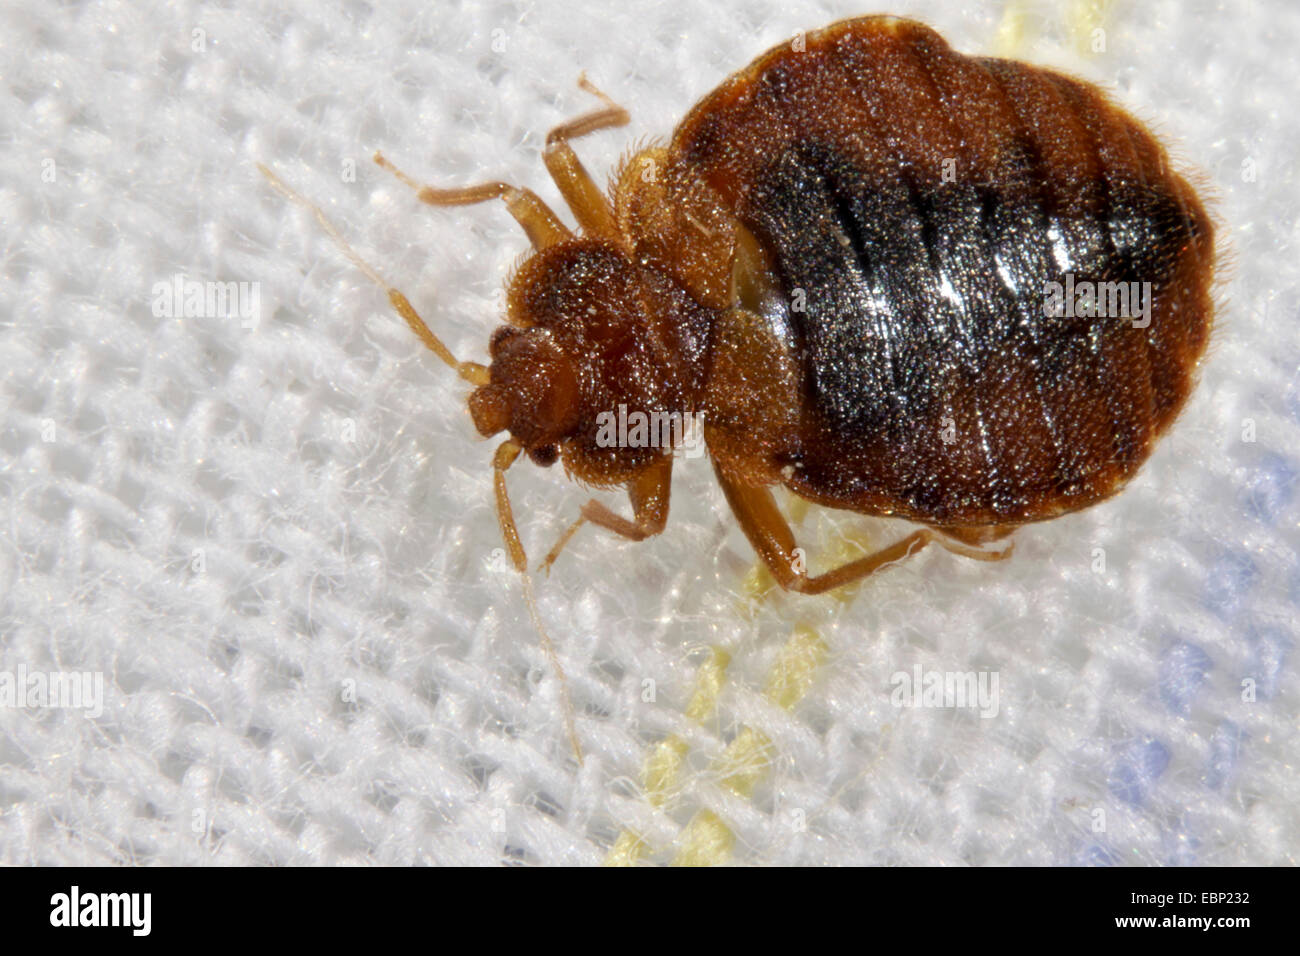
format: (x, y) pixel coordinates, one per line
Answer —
(648, 493)
(587, 201)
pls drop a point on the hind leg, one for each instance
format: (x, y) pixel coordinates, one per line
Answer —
(770, 534)
(982, 535)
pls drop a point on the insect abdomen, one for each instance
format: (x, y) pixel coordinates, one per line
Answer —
(918, 208)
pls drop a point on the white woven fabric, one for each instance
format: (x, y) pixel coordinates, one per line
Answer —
(274, 539)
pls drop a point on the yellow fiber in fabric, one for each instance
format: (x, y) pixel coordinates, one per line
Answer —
(663, 765)
(707, 840)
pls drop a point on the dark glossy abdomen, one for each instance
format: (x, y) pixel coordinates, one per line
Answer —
(915, 224)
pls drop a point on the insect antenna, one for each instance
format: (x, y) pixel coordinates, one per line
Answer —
(472, 372)
(476, 374)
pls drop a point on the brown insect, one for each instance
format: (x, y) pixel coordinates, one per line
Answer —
(841, 262)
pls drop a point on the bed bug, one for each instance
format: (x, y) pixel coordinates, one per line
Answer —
(850, 261)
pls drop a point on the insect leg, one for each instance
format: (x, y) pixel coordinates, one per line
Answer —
(770, 534)
(471, 372)
(648, 492)
(542, 226)
(589, 204)
(979, 536)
